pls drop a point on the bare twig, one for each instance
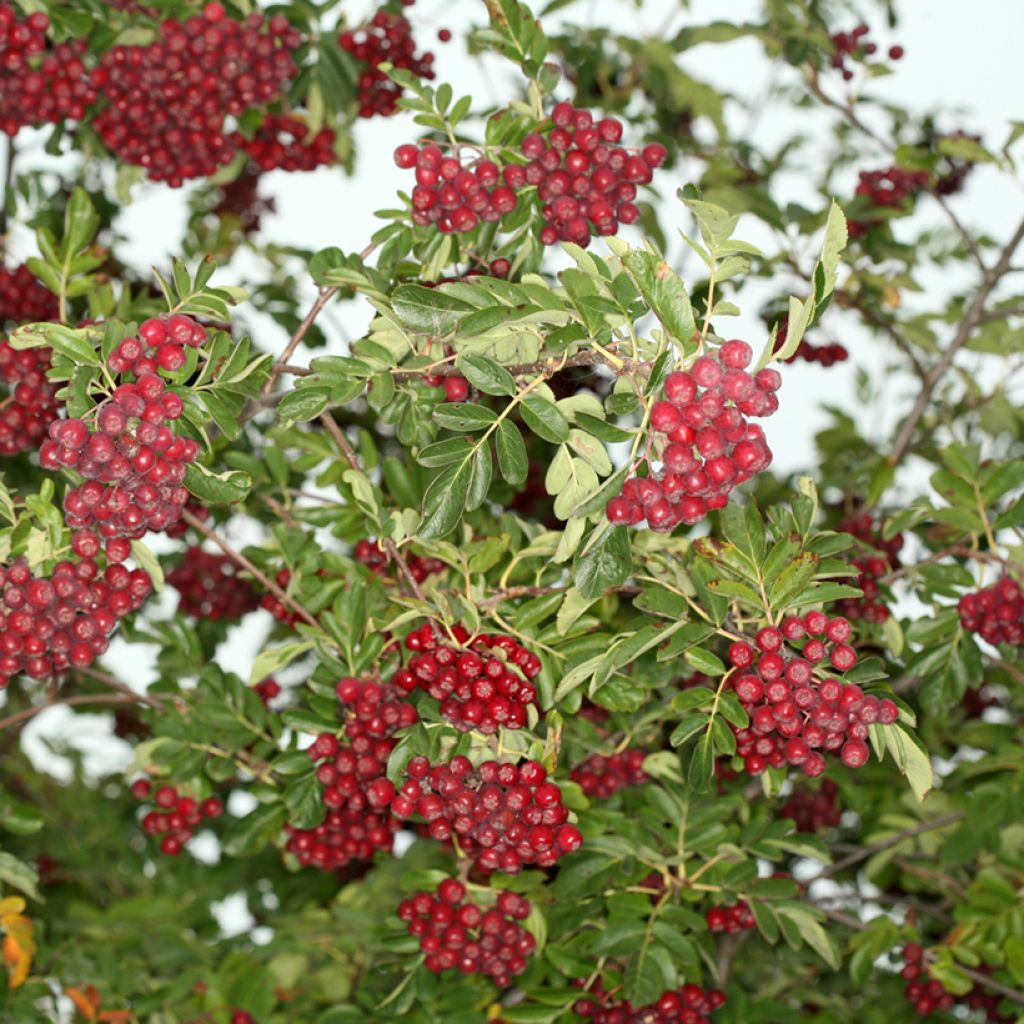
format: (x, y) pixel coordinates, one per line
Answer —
(324, 295)
(116, 684)
(86, 698)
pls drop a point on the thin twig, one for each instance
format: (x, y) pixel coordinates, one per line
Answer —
(116, 684)
(323, 296)
(86, 698)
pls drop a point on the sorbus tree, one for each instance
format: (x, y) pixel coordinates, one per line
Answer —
(497, 659)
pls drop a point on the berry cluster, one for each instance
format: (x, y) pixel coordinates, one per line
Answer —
(50, 624)
(731, 919)
(386, 39)
(282, 143)
(688, 1004)
(455, 197)
(376, 559)
(872, 568)
(356, 790)
(268, 690)
(794, 714)
(603, 776)
(168, 100)
(209, 587)
(457, 934)
(889, 189)
(456, 389)
(995, 613)
(175, 816)
(40, 83)
(480, 683)
(30, 405)
(23, 300)
(506, 816)
(927, 995)
(711, 447)
(813, 809)
(585, 179)
(856, 45)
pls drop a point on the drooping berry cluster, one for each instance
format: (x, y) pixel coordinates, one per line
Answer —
(209, 587)
(168, 100)
(386, 39)
(356, 790)
(603, 776)
(795, 714)
(40, 82)
(456, 933)
(376, 559)
(812, 810)
(995, 613)
(23, 300)
(928, 995)
(282, 143)
(483, 684)
(883, 559)
(731, 919)
(175, 816)
(857, 46)
(585, 179)
(30, 405)
(688, 1004)
(710, 446)
(50, 624)
(505, 816)
(891, 188)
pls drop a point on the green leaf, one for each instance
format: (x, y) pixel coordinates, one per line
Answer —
(444, 502)
(513, 460)
(19, 875)
(486, 375)
(464, 416)
(428, 310)
(606, 563)
(226, 488)
(544, 419)
(303, 404)
(665, 293)
(812, 933)
(911, 759)
(254, 832)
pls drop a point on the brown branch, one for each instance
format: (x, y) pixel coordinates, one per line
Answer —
(324, 295)
(244, 563)
(116, 684)
(87, 698)
(849, 301)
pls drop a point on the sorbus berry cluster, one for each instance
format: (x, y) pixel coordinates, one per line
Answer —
(50, 624)
(711, 446)
(175, 816)
(30, 405)
(928, 995)
(883, 560)
(40, 83)
(603, 776)
(356, 790)
(386, 39)
(890, 188)
(813, 809)
(210, 588)
(23, 300)
(456, 933)
(506, 816)
(794, 714)
(268, 690)
(168, 100)
(282, 143)
(995, 613)
(456, 197)
(735, 918)
(480, 682)
(688, 1004)
(856, 45)
(369, 553)
(585, 179)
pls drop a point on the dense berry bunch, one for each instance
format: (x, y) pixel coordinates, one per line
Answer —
(456, 197)
(168, 100)
(282, 143)
(483, 684)
(175, 816)
(23, 300)
(586, 181)
(356, 790)
(209, 587)
(688, 1004)
(709, 445)
(51, 623)
(30, 405)
(857, 46)
(812, 810)
(505, 816)
(376, 559)
(40, 83)
(268, 690)
(795, 715)
(731, 919)
(603, 776)
(883, 559)
(457, 934)
(995, 613)
(889, 189)
(386, 39)
(929, 995)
